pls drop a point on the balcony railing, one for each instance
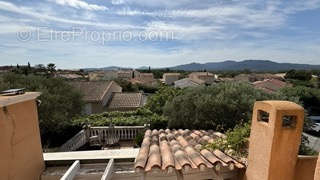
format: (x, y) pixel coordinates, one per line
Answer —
(102, 135)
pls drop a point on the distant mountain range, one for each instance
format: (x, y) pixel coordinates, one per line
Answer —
(253, 65)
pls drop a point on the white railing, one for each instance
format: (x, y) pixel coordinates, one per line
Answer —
(75, 142)
(123, 132)
(105, 135)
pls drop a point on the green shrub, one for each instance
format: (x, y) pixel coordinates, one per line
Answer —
(219, 107)
(236, 140)
(138, 139)
(132, 118)
(165, 94)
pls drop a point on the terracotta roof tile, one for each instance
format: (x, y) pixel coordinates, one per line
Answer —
(181, 150)
(92, 91)
(126, 100)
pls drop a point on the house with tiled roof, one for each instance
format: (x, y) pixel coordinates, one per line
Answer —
(187, 82)
(203, 77)
(96, 94)
(270, 85)
(144, 78)
(126, 101)
(170, 78)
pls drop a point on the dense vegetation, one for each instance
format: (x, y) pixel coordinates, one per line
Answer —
(219, 107)
(59, 104)
(299, 75)
(164, 95)
(139, 117)
(309, 97)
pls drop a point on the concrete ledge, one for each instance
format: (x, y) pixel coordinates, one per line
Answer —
(9, 100)
(92, 155)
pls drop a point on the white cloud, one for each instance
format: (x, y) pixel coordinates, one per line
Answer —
(6, 6)
(80, 5)
(117, 2)
(15, 28)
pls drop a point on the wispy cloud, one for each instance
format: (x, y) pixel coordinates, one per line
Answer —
(117, 2)
(81, 5)
(6, 6)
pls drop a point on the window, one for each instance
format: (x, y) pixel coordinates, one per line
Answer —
(289, 121)
(263, 116)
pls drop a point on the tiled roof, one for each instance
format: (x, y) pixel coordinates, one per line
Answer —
(181, 150)
(171, 74)
(270, 85)
(202, 74)
(126, 100)
(93, 91)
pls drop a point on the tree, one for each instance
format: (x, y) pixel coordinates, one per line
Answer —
(219, 107)
(301, 75)
(164, 95)
(51, 69)
(127, 86)
(59, 104)
(309, 97)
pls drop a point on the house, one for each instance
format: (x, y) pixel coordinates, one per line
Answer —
(144, 78)
(97, 94)
(103, 75)
(186, 82)
(70, 76)
(270, 85)
(5, 69)
(170, 78)
(126, 101)
(203, 77)
(125, 74)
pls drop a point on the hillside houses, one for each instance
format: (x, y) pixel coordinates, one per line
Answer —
(111, 75)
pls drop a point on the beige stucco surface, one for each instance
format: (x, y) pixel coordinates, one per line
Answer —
(305, 168)
(273, 148)
(21, 151)
(317, 170)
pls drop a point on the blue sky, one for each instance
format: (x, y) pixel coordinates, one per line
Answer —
(157, 33)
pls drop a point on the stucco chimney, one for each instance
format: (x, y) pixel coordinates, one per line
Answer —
(274, 141)
(20, 146)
